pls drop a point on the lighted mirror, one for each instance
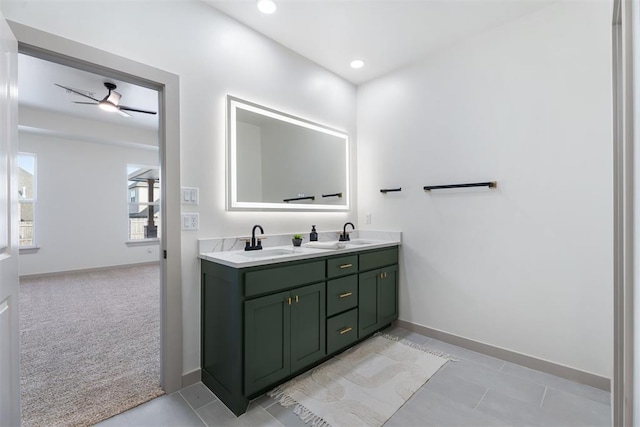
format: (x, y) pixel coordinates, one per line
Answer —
(277, 161)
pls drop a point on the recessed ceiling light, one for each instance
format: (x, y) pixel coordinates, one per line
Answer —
(267, 6)
(357, 63)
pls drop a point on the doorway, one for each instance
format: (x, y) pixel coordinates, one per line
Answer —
(88, 230)
(53, 48)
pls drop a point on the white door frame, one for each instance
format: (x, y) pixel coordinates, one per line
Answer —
(626, 198)
(57, 49)
(9, 284)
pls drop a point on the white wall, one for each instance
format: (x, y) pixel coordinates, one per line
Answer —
(81, 208)
(528, 266)
(214, 56)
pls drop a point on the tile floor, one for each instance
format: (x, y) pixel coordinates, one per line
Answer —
(477, 390)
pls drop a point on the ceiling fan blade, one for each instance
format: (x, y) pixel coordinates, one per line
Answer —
(124, 107)
(86, 103)
(76, 92)
(123, 113)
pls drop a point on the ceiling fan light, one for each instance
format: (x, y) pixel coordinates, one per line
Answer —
(267, 6)
(107, 106)
(113, 97)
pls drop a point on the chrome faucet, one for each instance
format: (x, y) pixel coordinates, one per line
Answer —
(254, 246)
(344, 237)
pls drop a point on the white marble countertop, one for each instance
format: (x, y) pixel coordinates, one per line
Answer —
(284, 253)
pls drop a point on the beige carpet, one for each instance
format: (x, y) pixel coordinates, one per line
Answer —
(90, 345)
(364, 386)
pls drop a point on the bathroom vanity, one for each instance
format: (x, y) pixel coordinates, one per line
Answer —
(270, 316)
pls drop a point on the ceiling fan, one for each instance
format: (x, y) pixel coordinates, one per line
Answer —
(111, 102)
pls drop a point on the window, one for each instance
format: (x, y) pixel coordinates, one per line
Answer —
(143, 189)
(27, 199)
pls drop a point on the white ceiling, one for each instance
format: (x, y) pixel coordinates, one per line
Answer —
(36, 78)
(386, 34)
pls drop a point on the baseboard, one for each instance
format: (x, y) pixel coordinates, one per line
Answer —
(531, 362)
(191, 378)
(87, 270)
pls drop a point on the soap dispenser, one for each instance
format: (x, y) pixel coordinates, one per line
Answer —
(313, 236)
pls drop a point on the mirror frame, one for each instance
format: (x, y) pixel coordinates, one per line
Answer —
(233, 204)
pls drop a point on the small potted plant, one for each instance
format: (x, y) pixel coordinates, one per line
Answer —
(297, 239)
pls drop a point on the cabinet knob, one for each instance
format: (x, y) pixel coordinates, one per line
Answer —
(347, 294)
(345, 330)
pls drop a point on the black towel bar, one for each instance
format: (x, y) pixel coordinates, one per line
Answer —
(389, 190)
(490, 184)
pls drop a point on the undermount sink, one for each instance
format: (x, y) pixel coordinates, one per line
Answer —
(264, 253)
(358, 242)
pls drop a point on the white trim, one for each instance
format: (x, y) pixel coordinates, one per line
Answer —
(191, 378)
(33, 201)
(625, 380)
(531, 362)
(142, 242)
(87, 270)
(24, 250)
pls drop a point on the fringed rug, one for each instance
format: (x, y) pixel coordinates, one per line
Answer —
(364, 386)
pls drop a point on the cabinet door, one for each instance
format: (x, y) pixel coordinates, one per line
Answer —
(387, 295)
(367, 302)
(267, 341)
(308, 333)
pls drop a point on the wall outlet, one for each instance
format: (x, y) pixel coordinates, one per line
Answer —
(190, 221)
(190, 195)
(367, 218)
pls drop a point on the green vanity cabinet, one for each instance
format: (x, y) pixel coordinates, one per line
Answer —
(284, 333)
(264, 324)
(267, 331)
(377, 291)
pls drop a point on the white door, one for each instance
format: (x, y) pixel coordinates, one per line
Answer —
(9, 350)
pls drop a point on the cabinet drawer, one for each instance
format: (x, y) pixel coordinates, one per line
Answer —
(342, 330)
(342, 294)
(279, 278)
(377, 259)
(342, 265)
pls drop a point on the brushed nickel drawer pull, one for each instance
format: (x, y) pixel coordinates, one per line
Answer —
(347, 294)
(346, 266)
(345, 330)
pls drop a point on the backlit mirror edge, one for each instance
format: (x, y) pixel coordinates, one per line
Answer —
(232, 204)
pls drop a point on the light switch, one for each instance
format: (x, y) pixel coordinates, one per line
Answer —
(190, 195)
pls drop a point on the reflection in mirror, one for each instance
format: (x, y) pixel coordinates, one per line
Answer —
(282, 162)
